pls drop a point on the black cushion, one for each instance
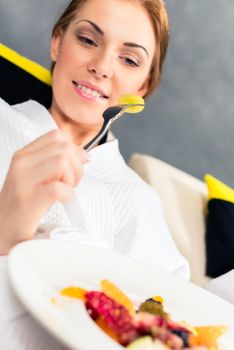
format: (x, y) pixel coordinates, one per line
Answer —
(219, 237)
(17, 85)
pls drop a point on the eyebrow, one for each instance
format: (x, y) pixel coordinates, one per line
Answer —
(94, 25)
(137, 45)
(100, 31)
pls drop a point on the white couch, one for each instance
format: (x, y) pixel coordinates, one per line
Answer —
(184, 199)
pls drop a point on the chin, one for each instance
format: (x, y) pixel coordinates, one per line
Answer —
(85, 118)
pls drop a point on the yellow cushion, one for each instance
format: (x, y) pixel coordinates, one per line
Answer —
(23, 79)
(26, 64)
(218, 190)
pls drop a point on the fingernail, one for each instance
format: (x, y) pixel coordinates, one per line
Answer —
(87, 156)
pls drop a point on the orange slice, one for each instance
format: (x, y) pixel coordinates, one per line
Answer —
(207, 336)
(74, 292)
(102, 324)
(115, 293)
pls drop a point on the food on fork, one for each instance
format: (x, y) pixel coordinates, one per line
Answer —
(143, 327)
(137, 102)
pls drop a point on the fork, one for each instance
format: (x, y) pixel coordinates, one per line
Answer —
(110, 115)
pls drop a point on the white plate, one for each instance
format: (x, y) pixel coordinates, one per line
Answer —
(38, 269)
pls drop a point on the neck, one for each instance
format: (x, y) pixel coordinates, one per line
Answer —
(78, 133)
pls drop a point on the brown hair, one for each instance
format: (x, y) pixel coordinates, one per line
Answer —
(158, 15)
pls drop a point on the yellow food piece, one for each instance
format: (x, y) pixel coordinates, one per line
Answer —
(74, 292)
(115, 293)
(158, 299)
(207, 336)
(131, 100)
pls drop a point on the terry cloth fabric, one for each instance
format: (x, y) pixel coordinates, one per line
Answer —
(112, 205)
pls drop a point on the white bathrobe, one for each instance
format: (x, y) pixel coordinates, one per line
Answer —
(112, 208)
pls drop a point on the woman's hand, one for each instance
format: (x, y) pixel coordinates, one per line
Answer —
(40, 174)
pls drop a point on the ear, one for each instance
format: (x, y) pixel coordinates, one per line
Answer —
(55, 46)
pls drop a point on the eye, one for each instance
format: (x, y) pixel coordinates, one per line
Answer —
(130, 62)
(86, 40)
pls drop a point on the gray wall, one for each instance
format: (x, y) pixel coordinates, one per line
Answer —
(190, 121)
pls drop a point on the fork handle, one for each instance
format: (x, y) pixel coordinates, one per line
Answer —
(105, 127)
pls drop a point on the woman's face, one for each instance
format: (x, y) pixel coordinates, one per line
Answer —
(105, 52)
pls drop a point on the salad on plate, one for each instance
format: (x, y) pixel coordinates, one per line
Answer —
(144, 325)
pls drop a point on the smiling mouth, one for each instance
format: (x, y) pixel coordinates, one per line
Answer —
(89, 91)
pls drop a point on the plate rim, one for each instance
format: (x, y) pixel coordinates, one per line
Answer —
(19, 249)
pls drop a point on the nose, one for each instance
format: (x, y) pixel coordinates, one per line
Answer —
(101, 67)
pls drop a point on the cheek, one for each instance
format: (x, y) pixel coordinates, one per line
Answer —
(132, 84)
(66, 58)
(70, 56)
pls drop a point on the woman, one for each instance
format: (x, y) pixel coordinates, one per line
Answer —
(99, 52)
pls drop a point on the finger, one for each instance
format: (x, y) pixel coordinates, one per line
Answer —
(53, 136)
(84, 155)
(63, 157)
(56, 191)
(56, 168)
(46, 196)
(62, 147)
(68, 149)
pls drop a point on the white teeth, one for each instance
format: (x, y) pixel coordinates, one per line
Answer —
(89, 91)
(95, 93)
